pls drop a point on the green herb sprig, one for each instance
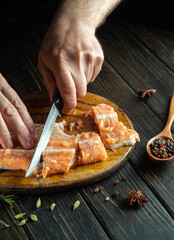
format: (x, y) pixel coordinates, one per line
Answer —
(4, 223)
(8, 199)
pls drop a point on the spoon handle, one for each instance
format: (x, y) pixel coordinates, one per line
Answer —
(167, 129)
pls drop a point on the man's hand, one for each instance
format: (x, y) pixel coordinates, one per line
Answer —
(13, 114)
(70, 55)
(70, 58)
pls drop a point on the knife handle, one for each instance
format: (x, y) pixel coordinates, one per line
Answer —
(57, 99)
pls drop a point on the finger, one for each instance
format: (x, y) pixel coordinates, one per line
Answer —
(66, 86)
(97, 67)
(14, 99)
(14, 121)
(87, 61)
(80, 83)
(49, 79)
(5, 137)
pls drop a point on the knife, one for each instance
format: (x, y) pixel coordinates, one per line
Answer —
(56, 110)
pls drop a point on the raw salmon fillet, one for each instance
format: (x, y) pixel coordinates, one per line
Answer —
(114, 134)
(57, 161)
(60, 154)
(19, 159)
(91, 148)
(15, 159)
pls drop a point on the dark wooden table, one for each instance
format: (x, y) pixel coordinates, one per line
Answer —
(139, 54)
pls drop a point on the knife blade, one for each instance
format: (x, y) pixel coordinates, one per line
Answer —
(55, 111)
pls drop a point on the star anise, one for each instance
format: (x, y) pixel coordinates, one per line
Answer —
(136, 196)
(146, 93)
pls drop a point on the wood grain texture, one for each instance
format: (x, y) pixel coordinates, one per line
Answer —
(118, 218)
(38, 105)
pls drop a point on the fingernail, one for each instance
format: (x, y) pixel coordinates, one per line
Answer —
(9, 143)
(33, 132)
(66, 110)
(29, 141)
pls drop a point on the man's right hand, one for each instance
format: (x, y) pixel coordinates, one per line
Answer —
(13, 114)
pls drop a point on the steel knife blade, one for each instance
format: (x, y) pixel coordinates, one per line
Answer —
(55, 111)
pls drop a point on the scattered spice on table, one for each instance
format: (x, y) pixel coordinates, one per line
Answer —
(20, 215)
(136, 197)
(33, 217)
(146, 93)
(107, 199)
(23, 222)
(115, 193)
(76, 205)
(38, 203)
(162, 148)
(124, 178)
(116, 182)
(98, 189)
(52, 206)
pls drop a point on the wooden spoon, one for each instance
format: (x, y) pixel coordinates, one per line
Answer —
(164, 135)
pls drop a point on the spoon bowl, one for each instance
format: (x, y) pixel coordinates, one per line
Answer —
(164, 135)
(154, 158)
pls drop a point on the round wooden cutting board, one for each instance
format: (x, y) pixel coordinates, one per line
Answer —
(38, 105)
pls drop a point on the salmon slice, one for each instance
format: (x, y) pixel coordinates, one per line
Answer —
(60, 153)
(114, 134)
(103, 112)
(57, 161)
(91, 148)
(15, 159)
(19, 158)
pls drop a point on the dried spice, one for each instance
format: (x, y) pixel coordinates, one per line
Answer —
(107, 199)
(146, 93)
(20, 215)
(52, 206)
(162, 148)
(136, 197)
(98, 189)
(38, 203)
(23, 222)
(34, 217)
(76, 205)
(115, 193)
(124, 178)
(116, 182)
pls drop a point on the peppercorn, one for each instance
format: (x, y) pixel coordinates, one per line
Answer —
(162, 148)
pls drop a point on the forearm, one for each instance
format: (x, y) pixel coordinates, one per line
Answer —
(91, 12)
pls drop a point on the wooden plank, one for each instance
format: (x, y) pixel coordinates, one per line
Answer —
(127, 66)
(139, 68)
(61, 223)
(122, 221)
(127, 99)
(155, 175)
(7, 215)
(18, 61)
(158, 39)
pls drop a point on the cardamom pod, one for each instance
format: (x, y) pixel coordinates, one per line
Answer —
(34, 217)
(20, 215)
(38, 203)
(76, 205)
(52, 206)
(23, 222)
